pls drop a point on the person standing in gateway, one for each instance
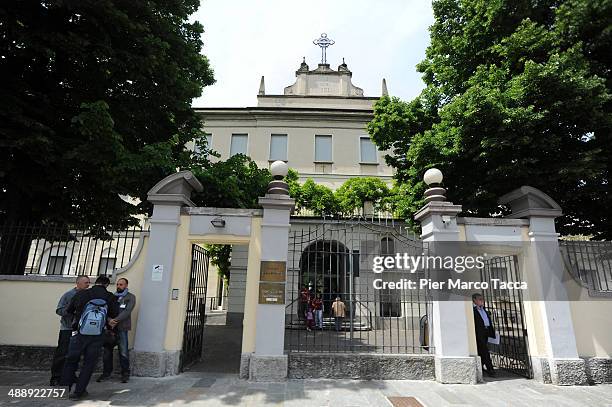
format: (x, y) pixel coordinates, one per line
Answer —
(122, 324)
(483, 325)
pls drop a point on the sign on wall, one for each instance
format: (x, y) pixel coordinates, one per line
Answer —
(157, 274)
(273, 271)
(272, 293)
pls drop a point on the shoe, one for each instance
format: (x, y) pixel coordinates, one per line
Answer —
(125, 378)
(490, 373)
(77, 396)
(102, 378)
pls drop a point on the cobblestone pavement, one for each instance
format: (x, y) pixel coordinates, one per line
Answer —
(214, 389)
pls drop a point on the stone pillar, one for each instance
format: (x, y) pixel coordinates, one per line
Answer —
(150, 358)
(449, 319)
(543, 262)
(269, 362)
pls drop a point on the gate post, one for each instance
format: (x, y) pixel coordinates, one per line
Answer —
(168, 196)
(450, 327)
(561, 363)
(269, 361)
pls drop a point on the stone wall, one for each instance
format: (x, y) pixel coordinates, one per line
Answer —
(361, 366)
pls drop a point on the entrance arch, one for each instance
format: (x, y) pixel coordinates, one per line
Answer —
(325, 269)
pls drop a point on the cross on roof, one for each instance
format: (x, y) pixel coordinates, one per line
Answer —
(323, 42)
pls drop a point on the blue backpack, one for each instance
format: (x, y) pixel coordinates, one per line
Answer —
(93, 319)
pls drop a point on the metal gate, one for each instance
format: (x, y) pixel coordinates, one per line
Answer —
(507, 312)
(332, 259)
(196, 307)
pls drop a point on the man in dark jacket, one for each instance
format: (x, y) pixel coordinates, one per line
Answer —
(484, 330)
(63, 340)
(88, 345)
(122, 324)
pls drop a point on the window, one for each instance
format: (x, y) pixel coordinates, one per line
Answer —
(56, 264)
(323, 148)
(368, 151)
(387, 246)
(208, 136)
(239, 144)
(107, 265)
(278, 147)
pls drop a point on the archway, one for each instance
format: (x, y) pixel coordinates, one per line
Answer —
(325, 269)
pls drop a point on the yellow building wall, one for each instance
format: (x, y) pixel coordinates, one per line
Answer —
(27, 308)
(252, 288)
(592, 319)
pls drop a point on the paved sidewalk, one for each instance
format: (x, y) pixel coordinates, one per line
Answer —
(213, 389)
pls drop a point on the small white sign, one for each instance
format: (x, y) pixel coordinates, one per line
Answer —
(157, 273)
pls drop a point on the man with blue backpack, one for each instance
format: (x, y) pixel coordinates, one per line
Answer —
(92, 309)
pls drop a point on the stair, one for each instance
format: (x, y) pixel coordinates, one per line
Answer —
(330, 324)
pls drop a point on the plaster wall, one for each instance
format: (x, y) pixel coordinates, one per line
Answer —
(301, 146)
(27, 307)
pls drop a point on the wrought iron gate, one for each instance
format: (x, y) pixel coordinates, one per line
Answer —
(507, 312)
(334, 258)
(196, 306)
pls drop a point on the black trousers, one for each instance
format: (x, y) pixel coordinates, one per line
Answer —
(91, 349)
(483, 352)
(59, 356)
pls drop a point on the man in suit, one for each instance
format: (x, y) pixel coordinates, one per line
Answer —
(484, 330)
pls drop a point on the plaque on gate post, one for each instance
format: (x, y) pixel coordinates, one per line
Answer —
(272, 271)
(272, 293)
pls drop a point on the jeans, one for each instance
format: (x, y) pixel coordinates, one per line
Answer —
(91, 348)
(318, 313)
(124, 357)
(338, 322)
(59, 356)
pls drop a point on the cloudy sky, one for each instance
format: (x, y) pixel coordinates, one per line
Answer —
(247, 39)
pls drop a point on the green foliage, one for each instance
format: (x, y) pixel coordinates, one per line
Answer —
(518, 93)
(220, 256)
(235, 183)
(318, 198)
(345, 201)
(96, 103)
(354, 192)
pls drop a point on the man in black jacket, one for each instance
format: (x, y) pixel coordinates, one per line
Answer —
(88, 345)
(484, 330)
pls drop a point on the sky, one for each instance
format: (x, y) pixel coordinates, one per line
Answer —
(247, 39)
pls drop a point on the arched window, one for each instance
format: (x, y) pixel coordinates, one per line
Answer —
(387, 246)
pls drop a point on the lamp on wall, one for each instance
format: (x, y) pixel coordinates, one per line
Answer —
(218, 222)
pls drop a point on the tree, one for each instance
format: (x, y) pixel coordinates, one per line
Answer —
(96, 103)
(354, 192)
(221, 257)
(318, 198)
(517, 93)
(235, 183)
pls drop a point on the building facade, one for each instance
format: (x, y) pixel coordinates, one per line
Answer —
(317, 126)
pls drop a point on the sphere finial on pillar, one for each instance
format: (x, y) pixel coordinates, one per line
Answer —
(433, 178)
(277, 186)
